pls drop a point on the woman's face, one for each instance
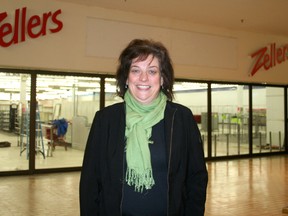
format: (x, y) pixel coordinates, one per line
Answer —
(144, 79)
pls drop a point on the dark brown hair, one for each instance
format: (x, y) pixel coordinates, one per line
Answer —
(141, 49)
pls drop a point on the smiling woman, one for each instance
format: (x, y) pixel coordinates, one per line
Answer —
(142, 141)
(144, 79)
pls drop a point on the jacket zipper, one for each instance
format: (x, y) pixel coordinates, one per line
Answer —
(123, 174)
(169, 161)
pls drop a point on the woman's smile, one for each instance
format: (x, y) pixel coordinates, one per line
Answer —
(144, 79)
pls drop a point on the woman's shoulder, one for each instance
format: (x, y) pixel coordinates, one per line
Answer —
(178, 107)
(114, 106)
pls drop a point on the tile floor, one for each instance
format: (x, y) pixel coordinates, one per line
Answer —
(247, 187)
(16, 157)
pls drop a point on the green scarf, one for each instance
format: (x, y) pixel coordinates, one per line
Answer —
(139, 121)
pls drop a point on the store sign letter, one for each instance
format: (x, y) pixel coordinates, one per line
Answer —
(268, 57)
(33, 26)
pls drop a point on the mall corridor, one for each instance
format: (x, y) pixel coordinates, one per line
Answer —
(246, 187)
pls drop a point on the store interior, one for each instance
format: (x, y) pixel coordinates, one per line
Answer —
(66, 105)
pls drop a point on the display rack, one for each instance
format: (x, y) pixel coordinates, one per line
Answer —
(4, 120)
(8, 116)
(13, 117)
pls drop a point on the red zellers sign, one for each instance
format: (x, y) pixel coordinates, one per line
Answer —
(33, 26)
(269, 57)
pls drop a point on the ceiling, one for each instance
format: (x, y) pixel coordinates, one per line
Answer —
(262, 16)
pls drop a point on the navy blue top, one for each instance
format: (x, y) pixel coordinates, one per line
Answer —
(151, 202)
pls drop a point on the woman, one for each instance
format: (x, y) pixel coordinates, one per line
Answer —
(144, 156)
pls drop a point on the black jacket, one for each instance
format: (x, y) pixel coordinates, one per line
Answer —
(102, 175)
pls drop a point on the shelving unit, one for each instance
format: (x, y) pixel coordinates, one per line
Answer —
(4, 120)
(13, 117)
(8, 117)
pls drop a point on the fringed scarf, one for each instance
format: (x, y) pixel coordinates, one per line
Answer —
(139, 122)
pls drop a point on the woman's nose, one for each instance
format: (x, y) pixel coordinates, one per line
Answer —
(143, 76)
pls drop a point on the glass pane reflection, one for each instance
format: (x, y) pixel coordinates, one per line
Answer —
(268, 119)
(110, 92)
(230, 118)
(67, 105)
(14, 101)
(194, 96)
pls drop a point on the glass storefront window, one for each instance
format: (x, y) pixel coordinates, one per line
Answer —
(268, 119)
(66, 106)
(194, 96)
(75, 100)
(110, 92)
(14, 104)
(230, 119)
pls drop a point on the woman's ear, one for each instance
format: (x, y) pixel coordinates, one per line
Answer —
(162, 82)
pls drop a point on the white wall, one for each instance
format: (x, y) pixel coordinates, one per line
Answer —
(92, 38)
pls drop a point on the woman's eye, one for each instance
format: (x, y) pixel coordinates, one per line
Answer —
(152, 72)
(135, 71)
